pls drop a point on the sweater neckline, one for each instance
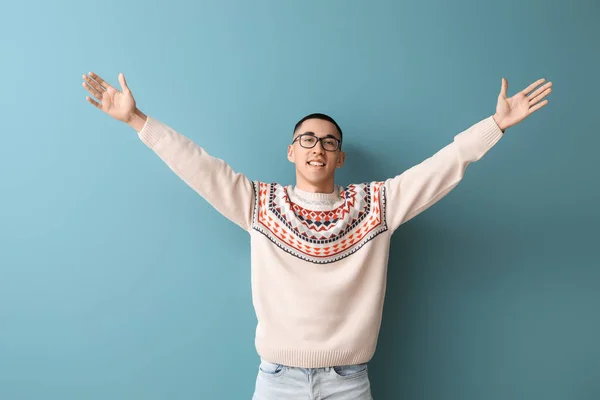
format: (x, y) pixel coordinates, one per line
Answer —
(333, 196)
(315, 201)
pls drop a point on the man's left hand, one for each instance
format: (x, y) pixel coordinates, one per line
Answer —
(511, 111)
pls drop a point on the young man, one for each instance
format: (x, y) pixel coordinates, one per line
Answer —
(319, 251)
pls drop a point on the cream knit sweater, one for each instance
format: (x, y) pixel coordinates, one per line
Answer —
(319, 260)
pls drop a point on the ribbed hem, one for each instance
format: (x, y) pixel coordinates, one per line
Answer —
(309, 358)
(152, 131)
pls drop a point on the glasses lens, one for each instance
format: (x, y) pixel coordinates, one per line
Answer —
(330, 144)
(308, 141)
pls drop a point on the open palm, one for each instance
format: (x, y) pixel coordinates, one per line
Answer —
(511, 111)
(118, 104)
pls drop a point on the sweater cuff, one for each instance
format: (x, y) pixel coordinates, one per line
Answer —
(490, 132)
(152, 131)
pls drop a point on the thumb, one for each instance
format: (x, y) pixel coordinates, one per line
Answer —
(123, 83)
(504, 87)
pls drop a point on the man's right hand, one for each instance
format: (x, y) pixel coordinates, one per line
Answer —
(119, 105)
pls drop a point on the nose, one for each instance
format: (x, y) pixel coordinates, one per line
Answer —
(319, 144)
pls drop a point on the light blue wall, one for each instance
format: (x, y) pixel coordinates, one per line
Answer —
(117, 281)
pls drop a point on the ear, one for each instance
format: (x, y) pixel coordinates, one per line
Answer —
(340, 160)
(290, 154)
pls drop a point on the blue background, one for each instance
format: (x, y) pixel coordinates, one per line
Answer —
(117, 281)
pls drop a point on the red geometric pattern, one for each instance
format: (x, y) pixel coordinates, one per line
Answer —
(320, 236)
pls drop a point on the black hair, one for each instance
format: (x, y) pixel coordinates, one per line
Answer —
(319, 116)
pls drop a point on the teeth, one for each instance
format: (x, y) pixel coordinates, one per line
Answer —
(316, 164)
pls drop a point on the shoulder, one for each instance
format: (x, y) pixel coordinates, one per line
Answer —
(269, 190)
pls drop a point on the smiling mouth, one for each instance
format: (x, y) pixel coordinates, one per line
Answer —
(316, 164)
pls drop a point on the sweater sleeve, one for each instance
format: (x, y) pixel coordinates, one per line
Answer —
(421, 186)
(230, 193)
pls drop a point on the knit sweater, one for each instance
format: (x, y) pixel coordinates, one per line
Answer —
(319, 260)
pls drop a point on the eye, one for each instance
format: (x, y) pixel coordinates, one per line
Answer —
(331, 142)
(308, 139)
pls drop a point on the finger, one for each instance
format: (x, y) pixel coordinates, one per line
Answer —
(93, 102)
(540, 96)
(100, 80)
(92, 91)
(538, 106)
(532, 86)
(94, 84)
(123, 83)
(541, 88)
(504, 87)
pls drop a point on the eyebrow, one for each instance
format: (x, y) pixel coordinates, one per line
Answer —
(314, 134)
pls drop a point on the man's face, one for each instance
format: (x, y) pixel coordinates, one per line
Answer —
(307, 159)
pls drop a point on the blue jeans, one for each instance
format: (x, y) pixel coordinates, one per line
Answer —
(280, 382)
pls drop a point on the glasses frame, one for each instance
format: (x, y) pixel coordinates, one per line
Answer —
(339, 142)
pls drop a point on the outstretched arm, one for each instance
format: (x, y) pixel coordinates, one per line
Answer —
(421, 186)
(230, 193)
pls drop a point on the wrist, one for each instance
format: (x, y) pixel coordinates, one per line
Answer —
(499, 122)
(137, 120)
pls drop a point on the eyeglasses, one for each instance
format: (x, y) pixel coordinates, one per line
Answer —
(309, 140)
